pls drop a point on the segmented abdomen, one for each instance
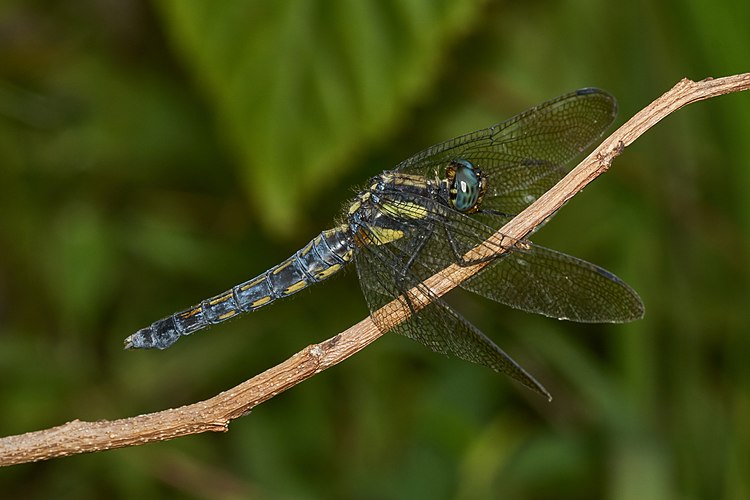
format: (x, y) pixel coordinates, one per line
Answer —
(322, 257)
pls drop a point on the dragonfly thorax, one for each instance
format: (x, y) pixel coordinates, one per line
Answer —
(393, 203)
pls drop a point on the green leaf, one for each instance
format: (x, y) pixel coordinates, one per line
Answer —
(299, 86)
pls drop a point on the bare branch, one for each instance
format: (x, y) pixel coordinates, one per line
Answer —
(215, 414)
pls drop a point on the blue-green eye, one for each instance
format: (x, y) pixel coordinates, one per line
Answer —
(466, 186)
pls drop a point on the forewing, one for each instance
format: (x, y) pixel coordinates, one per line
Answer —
(526, 155)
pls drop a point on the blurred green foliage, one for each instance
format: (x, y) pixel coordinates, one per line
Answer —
(152, 155)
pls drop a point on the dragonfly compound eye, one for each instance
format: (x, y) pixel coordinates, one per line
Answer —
(467, 186)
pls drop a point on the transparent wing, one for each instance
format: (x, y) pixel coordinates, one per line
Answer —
(383, 277)
(525, 276)
(526, 155)
(543, 281)
(521, 159)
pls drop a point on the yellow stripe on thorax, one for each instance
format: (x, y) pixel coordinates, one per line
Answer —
(404, 209)
(376, 235)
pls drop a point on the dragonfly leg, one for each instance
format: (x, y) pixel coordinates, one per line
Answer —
(422, 240)
(459, 255)
(489, 211)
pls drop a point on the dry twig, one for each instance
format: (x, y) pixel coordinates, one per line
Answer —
(215, 414)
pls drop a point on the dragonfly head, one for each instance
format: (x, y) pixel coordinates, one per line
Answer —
(466, 186)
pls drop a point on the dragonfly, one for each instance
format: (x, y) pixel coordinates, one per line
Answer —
(427, 214)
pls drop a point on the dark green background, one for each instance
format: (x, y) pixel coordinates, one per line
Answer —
(152, 155)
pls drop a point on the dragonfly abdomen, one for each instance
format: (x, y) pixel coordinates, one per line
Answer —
(321, 258)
